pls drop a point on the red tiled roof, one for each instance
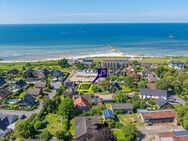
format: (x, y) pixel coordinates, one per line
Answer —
(80, 101)
(170, 134)
(159, 114)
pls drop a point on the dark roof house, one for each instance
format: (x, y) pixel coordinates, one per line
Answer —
(6, 120)
(2, 82)
(69, 84)
(57, 74)
(29, 73)
(18, 84)
(12, 72)
(4, 93)
(123, 106)
(86, 127)
(162, 103)
(41, 73)
(28, 100)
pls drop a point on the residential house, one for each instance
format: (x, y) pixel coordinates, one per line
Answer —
(4, 93)
(28, 100)
(172, 136)
(30, 80)
(156, 117)
(163, 103)
(122, 107)
(2, 82)
(81, 104)
(92, 99)
(145, 65)
(86, 127)
(106, 98)
(177, 65)
(107, 114)
(146, 93)
(69, 84)
(41, 84)
(86, 73)
(150, 76)
(41, 73)
(28, 73)
(12, 72)
(57, 74)
(70, 92)
(116, 64)
(6, 120)
(87, 62)
(18, 85)
(34, 91)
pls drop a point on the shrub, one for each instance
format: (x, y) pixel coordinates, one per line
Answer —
(38, 125)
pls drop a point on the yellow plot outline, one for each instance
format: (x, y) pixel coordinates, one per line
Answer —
(80, 89)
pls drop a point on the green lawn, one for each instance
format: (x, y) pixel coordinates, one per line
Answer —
(54, 123)
(125, 89)
(119, 134)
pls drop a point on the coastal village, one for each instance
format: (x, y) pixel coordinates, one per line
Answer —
(137, 101)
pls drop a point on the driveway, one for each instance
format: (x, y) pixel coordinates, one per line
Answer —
(150, 131)
(20, 113)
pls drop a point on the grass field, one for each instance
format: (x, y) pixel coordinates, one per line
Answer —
(119, 134)
(54, 123)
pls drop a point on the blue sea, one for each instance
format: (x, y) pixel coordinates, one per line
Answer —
(47, 41)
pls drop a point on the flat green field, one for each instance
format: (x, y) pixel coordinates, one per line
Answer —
(54, 123)
(119, 134)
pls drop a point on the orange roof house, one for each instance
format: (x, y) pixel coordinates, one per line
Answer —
(172, 136)
(159, 116)
(81, 104)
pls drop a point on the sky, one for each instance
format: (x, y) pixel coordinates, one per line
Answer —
(92, 11)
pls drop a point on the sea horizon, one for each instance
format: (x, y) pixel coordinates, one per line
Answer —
(31, 42)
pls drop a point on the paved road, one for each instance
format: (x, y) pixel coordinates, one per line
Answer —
(20, 113)
(179, 100)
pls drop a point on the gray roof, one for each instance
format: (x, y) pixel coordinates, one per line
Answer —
(119, 106)
(4, 93)
(160, 102)
(34, 91)
(149, 92)
(40, 84)
(86, 125)
(180, 133)
(6, 120)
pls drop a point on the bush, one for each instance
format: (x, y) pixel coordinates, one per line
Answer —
(111, 123)
(60, 135)
(38, 125)
(118, 125)
(45, 135)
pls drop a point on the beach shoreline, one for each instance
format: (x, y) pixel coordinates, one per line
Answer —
(99, 55)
